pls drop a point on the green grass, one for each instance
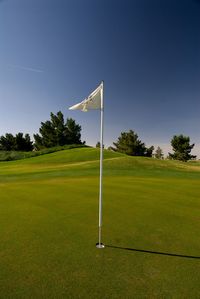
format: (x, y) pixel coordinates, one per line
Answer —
(17, 155)
(49, 222)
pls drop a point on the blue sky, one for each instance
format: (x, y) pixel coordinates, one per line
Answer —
(54, 53)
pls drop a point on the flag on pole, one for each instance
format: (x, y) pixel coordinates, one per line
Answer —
(93, 101)
(96, 101)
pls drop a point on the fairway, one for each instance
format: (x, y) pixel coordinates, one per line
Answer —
(49, 227)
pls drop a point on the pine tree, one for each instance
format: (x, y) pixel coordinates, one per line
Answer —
(23, 143)
(129, 144)
(56, 132)
(16, 143)
(182, 148)
(7, 142)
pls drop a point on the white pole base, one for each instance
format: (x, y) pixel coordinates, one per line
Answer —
(100, 245)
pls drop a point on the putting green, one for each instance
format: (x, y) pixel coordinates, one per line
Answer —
(49, 227)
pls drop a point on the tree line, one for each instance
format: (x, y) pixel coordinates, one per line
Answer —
(58, 132)
(130, 144)
(53, 132)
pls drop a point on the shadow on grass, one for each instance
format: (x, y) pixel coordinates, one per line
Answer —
(154, 252)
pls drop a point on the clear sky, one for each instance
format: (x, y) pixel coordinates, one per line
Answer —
(53, 53)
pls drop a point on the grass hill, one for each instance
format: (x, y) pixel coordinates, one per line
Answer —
(49, 222)
(17, 155)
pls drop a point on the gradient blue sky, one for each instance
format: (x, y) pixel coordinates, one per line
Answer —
(54, 53)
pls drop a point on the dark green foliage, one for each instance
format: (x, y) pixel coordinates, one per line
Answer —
(23, 143)
(129, 144)
(149, 151)
(98, 144)
(72, 132)
(182, 148)
(7, 142)
(56, 132)
(16, 143)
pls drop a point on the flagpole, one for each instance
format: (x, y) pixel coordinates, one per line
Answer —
(92, 102)
(100, 244)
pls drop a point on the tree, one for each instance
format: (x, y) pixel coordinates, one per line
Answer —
(149, 151)
(7, 142)
(159, 153)
(16, 143)
(182, 148)
(98, 145)
(129, 144)
(73, 132)
(23, 143)
(57, 132)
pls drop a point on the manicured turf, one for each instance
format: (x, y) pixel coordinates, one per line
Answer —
(49, 219)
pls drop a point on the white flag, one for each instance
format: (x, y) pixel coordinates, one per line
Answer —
(93, 101)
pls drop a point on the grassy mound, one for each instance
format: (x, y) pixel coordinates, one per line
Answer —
(17, 155)
(49, 221)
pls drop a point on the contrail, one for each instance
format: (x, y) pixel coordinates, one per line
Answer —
(25, 68)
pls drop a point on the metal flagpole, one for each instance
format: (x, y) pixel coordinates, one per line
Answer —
(100, 244)
(92, 102)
